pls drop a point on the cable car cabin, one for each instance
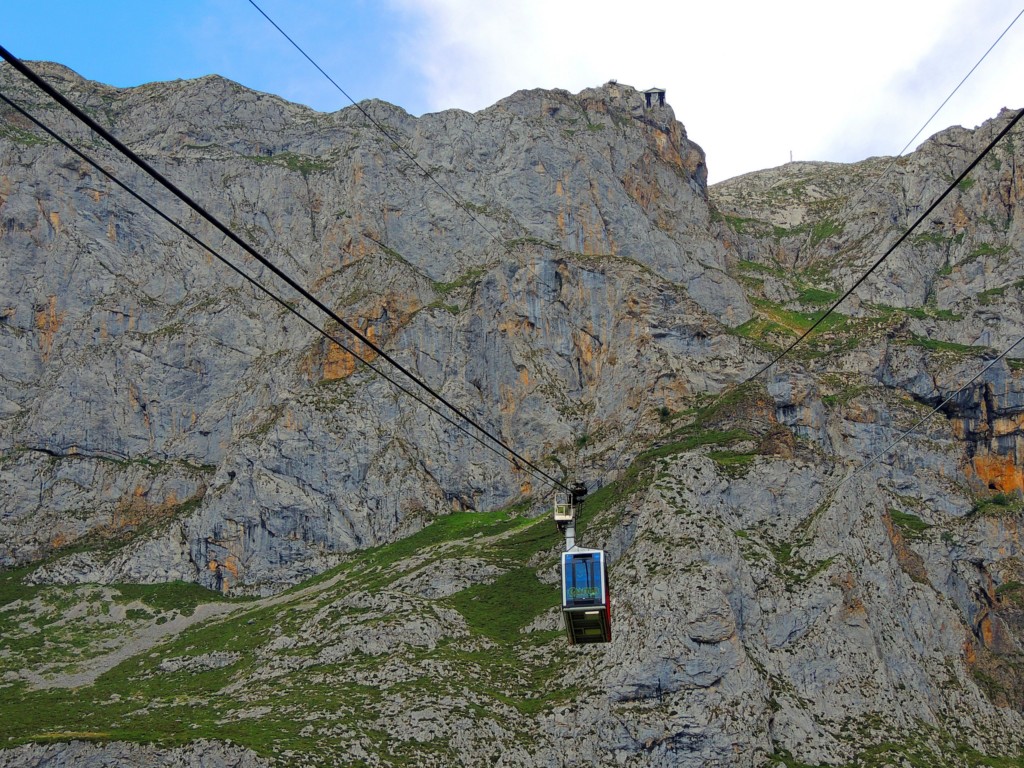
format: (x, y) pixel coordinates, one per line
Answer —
(586, 607)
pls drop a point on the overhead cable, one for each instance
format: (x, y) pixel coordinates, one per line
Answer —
(394, 140)
(231, 235)
(831, 309)
(878, 456)
(953, 92)
(875, 183)
(254, 282)
(388, 134)
(881, 454)
(1009, 126)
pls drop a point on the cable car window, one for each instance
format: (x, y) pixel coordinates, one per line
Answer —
(583, 580)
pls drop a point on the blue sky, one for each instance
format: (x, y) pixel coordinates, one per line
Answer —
(751, 81)
(129, 43)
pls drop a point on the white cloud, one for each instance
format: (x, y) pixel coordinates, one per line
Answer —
(751, 81)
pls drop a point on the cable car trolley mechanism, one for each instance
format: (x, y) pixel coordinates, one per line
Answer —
(586, 607)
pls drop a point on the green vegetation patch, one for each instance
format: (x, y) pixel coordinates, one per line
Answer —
(931, 239)
(180, 596)
(732, 463)
(22, 137)
(471, 277)
(753, 266)
(303, 164)
(935, 345)
(825, 229)
(774, 325)
(695, 439)
(379, 566)
(998, 504)
(55, 629)
(451, 309)
(789, 565)
(500, 610)
(739, 224)
(817, 296)
(533, 241)
(1011, 592)
(910, 525)
(987, 249)
(760, 330)
(845, 396)
(13, 586)
(929, 312)
(799, 322)
(990, 295)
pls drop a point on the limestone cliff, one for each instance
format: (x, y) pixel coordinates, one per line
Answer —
(593, 303)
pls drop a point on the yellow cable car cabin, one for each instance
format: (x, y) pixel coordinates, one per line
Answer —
(586, 606)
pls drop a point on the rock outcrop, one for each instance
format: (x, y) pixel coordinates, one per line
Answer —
(168, 385)
(812, 568)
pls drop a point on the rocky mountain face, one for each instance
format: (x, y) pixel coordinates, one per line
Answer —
(787, 590)
(149, 378)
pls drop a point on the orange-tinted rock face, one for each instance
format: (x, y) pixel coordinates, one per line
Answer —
(340, 364)
(991, 422)
(48, 320)
(997, 473)
(641, 186)
(138, 509)
(910, 561)
(379, 322)
(992, 650)
(970, 654)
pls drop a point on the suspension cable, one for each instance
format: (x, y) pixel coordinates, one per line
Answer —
(231, 235)
(258, 285)
(1016, 118)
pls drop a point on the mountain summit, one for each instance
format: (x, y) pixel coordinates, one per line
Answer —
(229, 542)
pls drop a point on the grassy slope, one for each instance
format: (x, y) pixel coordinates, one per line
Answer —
(292, 673)
(140, 700)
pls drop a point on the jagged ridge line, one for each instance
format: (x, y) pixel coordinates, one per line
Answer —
(376, 124)
(291, 282)
(874, 184)
(953, 92)
(892, 163)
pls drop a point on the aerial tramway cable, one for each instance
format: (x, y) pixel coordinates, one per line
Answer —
(954, 91)
(281, 274)
(952, 185)
(885, 172)
(821, 319)
(254, 282)
(389, 136)
(881, 454)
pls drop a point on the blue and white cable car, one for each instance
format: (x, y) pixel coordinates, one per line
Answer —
(586, 605)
